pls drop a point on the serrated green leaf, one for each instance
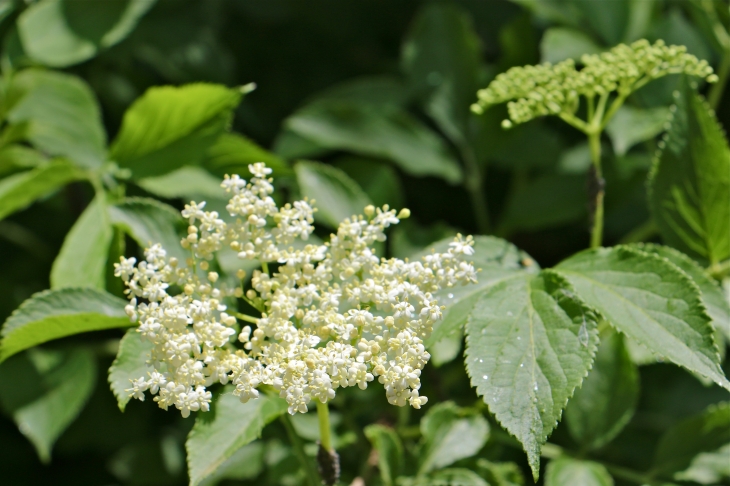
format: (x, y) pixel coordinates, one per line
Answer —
(169, 126)
(708, 467)
(336, 195)
(382, 131)
(61, 33)
(246, 463)
(185, 182)
(572, 472)
(705, 432)
(44, 392)
(83, 256)
(59, 114)
(630, 126)
(690, 181)
(130, 364)
(446, 477)
(149, 221)
(390, 451)
(561, 43)
(530, 342)
(449, 434)
(20, 190)
(54, 314)
(232, 153)
(717, 306)
(16, 157)
(607, 399)
(651, 301)
(498, 259)
(230, 425)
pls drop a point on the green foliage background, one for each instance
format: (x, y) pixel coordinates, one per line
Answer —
(358, 102)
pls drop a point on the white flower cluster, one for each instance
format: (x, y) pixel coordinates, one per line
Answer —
(332, 315)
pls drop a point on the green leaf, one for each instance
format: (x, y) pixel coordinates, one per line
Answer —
(16, 157)
(54, 314)
(130, 364)
(20, 190)
(390, 451)
(59, 115)
(441, 58)
(572, 472)
(501, 473)
(378, 179)
(450, 434)
(185, 182)
(561, 43)
(61, 33)
(607, 19)
(546, 202)
(606, 401)
(336, 195)
(246, 463)
(630, 126)
(149, 221)
(446, 349)
(499, 260)
(382, 131)
(708, 467)
(446, 477)
(690, 180)
(45, 391)
(651, 301)
(717, 305)
(83, 256)
(530, 342)
(230, 425)
(169, 126)
(232, 153)
(705, 432)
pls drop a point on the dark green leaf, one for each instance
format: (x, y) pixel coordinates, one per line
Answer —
(501, 473)
(705, 432)
(572, 472)
(607, 19)
(232, 153)
(130, 364)
(16, 157)
(708, 467)
(446, 477)
(630, 126)
(651, 301)
(606, 400)
(185, 182)
(246, 463)
(690, 181)
(83, 256)
(337, 196)
(20, 190)
(44, 392)
(54, 314)
(149, 221)
(230, 425)
(379, 180)
(560, 43)
(530, 342)
(61, 33)
(390, 451)
(168, 127)
(450, 434)
(59, 114)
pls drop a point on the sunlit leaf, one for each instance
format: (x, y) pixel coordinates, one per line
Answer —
(130, 364)
(569, 472)
(390, 451)
(630, 126)
(560, 43)
(149, 221)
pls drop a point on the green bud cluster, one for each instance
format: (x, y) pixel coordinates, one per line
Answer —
(547, 89)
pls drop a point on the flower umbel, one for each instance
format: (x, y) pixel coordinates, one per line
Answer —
(332, 315)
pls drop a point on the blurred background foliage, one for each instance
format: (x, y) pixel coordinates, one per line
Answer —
(380, 90)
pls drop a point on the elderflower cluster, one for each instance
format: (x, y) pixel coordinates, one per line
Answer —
(332, 315)
(549, 89)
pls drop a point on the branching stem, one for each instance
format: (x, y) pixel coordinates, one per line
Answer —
(325, 430)
(247, 318)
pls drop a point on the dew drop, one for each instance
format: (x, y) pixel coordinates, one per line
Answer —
(509, 313)
(519, 338)
(522, 365)
(583, 336)
(485, 377)
(535, 387)
(481, 361)
(450, 296)
(484, 331)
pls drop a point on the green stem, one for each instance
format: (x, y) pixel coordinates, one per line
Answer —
(718, 88)
(597, 191)
(643, 232)
(298, 446)
(719, 270)
(247, 318)
(473, 185)
(325, 432)
(265, 267)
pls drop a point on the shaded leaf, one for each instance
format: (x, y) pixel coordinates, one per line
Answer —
(130, 364)
(379, 180)
(572, 472)
(608, 19)
(530, 342)
(149, 221)
(54, 314)
(83, 256)
(390, 451)
(20, 190)
(337, 196)
(185, 183)
(246, 463)
(44, 392)
(169, 126)
(59, 115)
(449, 434)
(232, 153)
(630, 126)
(501, 473)
(230, 425)
(446, 477)
(690, 180)
(61, 33)
(560, 43)
(651, 301)
(607, 399)
(15, 157)
(708, 467)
